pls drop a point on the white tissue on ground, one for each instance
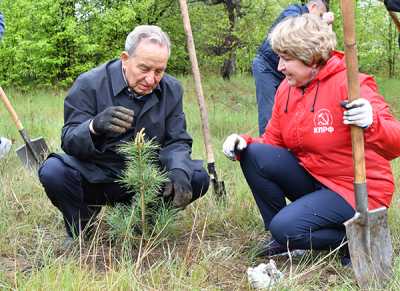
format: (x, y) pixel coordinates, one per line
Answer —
(264, 276)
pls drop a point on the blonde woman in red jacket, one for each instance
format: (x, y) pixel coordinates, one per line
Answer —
(305, 153)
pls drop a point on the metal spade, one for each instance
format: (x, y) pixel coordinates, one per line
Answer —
(367, 232)
(34, 151)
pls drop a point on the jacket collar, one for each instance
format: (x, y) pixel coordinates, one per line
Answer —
(334, 65)
(117, 81)
(304, 9)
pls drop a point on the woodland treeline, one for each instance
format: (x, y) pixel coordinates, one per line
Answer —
(50, 42)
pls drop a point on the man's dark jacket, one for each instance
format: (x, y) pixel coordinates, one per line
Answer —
(160, 113)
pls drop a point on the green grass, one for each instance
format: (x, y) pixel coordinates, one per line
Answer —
(210, 244)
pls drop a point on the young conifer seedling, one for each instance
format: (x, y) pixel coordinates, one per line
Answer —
(143, 221)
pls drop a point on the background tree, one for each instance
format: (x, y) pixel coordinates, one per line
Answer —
(229, 41)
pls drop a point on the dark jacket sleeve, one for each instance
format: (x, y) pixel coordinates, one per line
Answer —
(392, 5)
(79, 110)
(292, 10)
(2, 26)
(176, 150)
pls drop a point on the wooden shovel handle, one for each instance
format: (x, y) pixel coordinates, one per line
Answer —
(11, 110)
(197, 80)
(357, 134)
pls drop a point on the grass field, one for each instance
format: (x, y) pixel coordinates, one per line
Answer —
(209, 245)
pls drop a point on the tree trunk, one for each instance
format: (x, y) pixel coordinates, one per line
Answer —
(391, 54)
(230, 42)
(229, 66)
(65, 44)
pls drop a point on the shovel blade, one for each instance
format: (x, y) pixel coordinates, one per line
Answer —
(370, 248)
(219, 188)
(28, 158)
(381, 243)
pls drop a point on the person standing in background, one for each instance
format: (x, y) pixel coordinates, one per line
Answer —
(5, 144)
(265, 64)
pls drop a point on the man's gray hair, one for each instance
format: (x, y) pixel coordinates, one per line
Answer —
(150, 32)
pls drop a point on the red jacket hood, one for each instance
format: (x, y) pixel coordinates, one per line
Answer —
(335, 64)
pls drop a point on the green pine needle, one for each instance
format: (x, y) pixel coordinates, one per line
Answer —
(142, 176)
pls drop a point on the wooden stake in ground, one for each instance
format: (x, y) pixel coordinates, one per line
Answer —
(219, 187)
(367, 232)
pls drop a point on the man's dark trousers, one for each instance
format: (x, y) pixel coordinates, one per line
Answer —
(80, 201)
(267, 81)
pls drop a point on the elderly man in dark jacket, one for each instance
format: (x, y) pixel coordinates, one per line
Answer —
(108, 106)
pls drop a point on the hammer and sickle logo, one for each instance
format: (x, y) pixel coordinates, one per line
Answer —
(323, 118)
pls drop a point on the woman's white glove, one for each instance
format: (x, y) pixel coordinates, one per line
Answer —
(232, 145)
(359, 113)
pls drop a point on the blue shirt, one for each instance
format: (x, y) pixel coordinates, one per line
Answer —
(1, 25)
(265, 49)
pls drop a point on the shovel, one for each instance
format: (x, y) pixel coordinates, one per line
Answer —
(367, 232)
(218, 186)
(33, 153)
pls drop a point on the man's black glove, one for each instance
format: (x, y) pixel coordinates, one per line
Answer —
(178, 188)
(114, 120)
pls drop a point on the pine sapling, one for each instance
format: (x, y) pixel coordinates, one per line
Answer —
(143, 177)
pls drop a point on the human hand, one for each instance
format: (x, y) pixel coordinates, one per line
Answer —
(179, 188)
(358, 113)
(232, 145)
(328, 17)
(114, 119)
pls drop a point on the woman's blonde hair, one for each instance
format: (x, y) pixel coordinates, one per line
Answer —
(306, 38)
